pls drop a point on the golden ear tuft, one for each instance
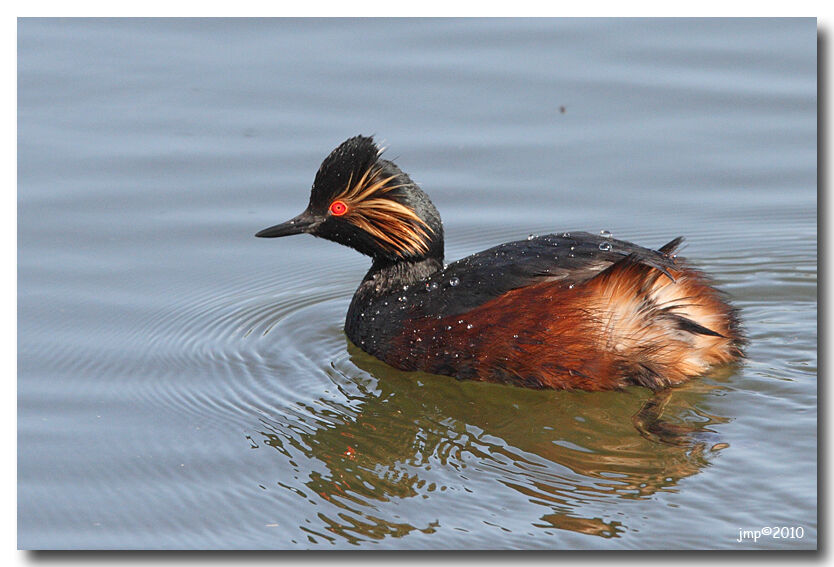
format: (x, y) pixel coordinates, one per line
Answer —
(395, 226)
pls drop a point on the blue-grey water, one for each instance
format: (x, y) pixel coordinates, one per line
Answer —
(183, 384)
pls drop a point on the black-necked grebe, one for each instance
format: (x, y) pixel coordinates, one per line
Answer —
(568, 310)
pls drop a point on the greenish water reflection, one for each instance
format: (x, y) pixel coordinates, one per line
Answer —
(405, 435)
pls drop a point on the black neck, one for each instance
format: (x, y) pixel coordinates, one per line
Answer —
(383, 280)
(385, 276)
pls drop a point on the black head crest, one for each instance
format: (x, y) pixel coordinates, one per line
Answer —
(346, 164)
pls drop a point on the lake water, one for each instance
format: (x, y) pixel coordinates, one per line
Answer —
(183, 384)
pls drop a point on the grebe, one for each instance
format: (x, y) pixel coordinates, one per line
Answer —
(568, 310)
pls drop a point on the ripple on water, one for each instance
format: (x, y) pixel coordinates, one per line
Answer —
(246, 338)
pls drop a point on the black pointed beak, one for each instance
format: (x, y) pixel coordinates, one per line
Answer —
(305, 222)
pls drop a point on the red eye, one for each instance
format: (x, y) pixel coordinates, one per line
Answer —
(338, 208)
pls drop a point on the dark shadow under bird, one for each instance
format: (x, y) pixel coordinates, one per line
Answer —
(569, 310)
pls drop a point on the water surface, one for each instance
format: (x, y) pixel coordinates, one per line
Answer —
(185, 385)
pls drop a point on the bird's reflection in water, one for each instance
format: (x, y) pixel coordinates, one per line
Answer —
(401, 435)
